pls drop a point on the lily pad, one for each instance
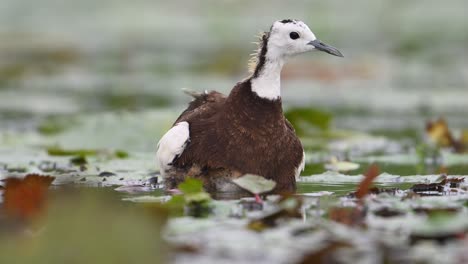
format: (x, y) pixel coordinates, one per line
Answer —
(255, 184)
(336, 165)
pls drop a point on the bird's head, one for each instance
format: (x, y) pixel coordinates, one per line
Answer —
(286, 38)
(290, 37)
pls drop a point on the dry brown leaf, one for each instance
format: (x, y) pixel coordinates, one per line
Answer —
(464, 138)
(369, 176)
(324, 255)
(439, 132)
(350, 216)
(427, 188)
(25, 198)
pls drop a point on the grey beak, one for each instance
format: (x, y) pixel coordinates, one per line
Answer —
(319, 45)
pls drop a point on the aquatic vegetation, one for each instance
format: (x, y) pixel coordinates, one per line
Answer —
(255, 184)
(56, 151)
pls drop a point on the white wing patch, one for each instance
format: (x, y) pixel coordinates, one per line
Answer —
(171, 145)
(301, 167)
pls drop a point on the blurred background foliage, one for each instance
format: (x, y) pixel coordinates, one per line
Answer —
(69, 57)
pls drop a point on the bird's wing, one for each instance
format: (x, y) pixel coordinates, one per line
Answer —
(175, 141)
(202, 106)
(171, 145)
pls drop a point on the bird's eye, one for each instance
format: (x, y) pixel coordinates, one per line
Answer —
(294, 35)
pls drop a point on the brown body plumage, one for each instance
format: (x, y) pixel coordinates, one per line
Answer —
(234, 135)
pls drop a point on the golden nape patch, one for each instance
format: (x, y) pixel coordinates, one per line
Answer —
(254, 57)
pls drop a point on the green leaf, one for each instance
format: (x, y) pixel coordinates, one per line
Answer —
(175, 205)
(57, 151)
(79, 160)
(191, 186)
(121, 154)
(54, 125)
(255, 184)
(198, 197)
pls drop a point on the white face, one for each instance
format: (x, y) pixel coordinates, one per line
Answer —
(289, 37)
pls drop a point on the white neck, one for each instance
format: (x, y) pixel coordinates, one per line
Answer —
(268, 82)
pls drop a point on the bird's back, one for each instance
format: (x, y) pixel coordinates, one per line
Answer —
(203, 106)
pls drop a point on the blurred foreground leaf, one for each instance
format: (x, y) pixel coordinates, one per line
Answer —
(89, 227)
(191, 186)
(288, 207)
(24, 199)
(370, 175)
(193, 202)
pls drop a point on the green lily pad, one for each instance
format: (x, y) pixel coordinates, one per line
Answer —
(255, 184)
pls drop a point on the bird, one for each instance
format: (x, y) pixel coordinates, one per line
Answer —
(220, 137)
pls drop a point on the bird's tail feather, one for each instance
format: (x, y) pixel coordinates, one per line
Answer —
(194, 93)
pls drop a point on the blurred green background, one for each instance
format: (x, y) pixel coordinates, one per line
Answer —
(403, 59)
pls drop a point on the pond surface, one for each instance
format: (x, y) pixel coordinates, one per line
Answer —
(87, 89)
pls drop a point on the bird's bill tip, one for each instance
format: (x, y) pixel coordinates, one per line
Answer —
(319, 45)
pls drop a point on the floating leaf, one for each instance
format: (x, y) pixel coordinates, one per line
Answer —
(197, 197)
(175, 205)
(375, 190)
(54, 125)
(121, 154)
(369, 176)
(191, 186)
(336, 165)
(147, 199)
(388, 212)
(78, 160)
(57, 151)
(289, 207)
(194, 201)
(25, 198)
(255, 184)
(437, 188)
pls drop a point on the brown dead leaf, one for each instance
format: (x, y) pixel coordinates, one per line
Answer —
(443, 170)
(464, 138)
(439, 132)
(25, 198)
(324, 255)
(350, 216)
(428, 188)
(369, 176)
